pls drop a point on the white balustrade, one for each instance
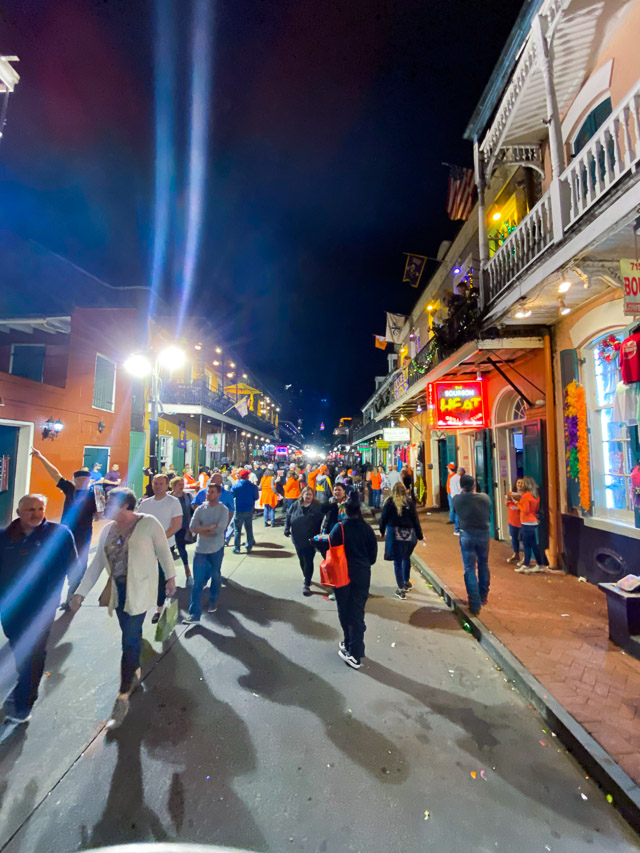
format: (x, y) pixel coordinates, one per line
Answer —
(522, 247)
(608, 155)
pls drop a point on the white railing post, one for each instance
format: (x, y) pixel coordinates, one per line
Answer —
(556, 190)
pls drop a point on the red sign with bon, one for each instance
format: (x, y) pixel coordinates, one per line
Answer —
(457, 405)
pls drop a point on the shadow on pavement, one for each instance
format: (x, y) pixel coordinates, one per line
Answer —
(274, 677)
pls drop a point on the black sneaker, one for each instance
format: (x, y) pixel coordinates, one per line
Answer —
(350, 660)
(342, 647)
(400, 593)
(306, 590)
(407, 587)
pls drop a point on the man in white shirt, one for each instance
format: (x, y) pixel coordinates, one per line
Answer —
(456, 489)
(393, 477)
(168, 511)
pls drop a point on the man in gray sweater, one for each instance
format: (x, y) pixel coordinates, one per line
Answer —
(473, 511)
(209, 522)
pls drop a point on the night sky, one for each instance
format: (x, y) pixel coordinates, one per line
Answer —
(328, 122)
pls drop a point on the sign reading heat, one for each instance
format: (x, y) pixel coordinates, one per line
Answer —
(457, 405)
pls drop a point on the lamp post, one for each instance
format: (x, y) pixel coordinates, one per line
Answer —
(143, 364)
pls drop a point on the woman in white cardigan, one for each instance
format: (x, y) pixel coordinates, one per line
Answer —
(129, 548)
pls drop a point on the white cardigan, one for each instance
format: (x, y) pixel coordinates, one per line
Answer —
(148, 546)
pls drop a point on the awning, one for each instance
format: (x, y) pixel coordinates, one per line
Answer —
(467, 361)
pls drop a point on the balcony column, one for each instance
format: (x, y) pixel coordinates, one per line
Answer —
(480, 177)
(556, 152)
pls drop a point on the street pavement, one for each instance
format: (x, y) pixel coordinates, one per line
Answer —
(251, 732)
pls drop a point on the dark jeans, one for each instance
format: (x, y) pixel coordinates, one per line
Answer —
(306, 555)
(246, 519)
(351, 601)
(514, 532)
(530, 544)
(29, 654)
(475, 554)
(375, 497)
(131, 627)
(182, 547)
(206, 567)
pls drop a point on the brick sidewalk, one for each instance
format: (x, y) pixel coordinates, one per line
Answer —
(557, 627)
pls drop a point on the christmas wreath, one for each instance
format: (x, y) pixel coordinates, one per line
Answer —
(608, 348)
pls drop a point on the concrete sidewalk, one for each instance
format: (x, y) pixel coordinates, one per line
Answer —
(557, 628)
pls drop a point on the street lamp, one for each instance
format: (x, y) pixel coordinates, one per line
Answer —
(140, 365)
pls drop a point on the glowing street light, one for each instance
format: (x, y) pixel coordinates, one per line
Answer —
(172, 358)
(138, 365)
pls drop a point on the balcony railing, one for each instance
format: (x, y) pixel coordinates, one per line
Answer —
(611, 153)
(199, 394)
(364, 431)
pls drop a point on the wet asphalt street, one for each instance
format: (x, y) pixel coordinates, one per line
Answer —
(251, 732)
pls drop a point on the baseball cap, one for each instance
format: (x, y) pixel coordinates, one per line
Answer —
(243, 473)
(451, 465)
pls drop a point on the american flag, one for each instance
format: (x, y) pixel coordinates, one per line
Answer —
(460, 193)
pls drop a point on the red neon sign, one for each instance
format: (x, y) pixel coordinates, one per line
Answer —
(458, 405)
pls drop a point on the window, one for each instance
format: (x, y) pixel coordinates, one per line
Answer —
(591, 124)
(27, 360)
(104, 384)
(610, 442)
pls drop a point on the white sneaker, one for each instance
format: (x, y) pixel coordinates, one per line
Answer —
(521, 569)
(520, 562)
(532, 570)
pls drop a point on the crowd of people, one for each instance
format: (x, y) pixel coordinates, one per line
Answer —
(321, 509)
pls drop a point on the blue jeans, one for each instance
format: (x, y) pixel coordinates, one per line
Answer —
(269, 514)
(246, 519)
(401, 558)
(230, 527)
(451, 512)
(530, 544)
(206, 567)
(514, 532)
(131, 627)
(456, 522)
(375, 497)
(474, 545)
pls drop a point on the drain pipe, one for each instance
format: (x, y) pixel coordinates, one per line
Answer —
(552, 453)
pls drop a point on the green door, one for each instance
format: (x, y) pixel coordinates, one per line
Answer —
(8, 460)
(96, 454)
(533, 464)
(135, 477)
(178, 457)
(484, 470)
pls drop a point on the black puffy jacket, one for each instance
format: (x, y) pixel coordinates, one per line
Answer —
(303, 523)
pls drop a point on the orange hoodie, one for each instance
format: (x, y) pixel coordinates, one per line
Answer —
(312, 478)
(292, 488)
(529, 507)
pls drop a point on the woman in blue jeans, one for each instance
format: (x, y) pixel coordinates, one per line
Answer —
(400, 526)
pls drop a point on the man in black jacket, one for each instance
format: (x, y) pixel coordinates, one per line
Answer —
(361, 551)
(35, 556)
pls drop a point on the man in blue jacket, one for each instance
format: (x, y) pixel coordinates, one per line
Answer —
(245, 495)
(35, 557)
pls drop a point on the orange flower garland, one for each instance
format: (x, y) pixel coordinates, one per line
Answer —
(576, 407)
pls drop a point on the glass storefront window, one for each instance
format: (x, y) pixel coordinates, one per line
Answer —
(610, 444)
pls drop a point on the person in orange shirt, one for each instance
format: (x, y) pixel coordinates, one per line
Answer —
(529, 507)
(268, 497)
(376, 488)
(311, 479)
(512, 501)
(451, 467)
(291, 490)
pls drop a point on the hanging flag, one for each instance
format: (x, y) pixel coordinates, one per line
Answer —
(395, 322)
(413, 269)
(242, 407)
(380, 341)
(460, 193)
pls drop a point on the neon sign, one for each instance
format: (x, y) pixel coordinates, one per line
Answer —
(457, 405)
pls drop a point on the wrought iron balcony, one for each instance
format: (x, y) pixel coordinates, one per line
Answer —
(197, 393)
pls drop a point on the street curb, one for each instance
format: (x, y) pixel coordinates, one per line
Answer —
(583, 747)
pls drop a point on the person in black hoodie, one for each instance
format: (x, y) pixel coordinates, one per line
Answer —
(361, 551)
(400, 526)
(302, 523)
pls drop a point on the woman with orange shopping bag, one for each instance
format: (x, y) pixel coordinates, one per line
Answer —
(360, 552)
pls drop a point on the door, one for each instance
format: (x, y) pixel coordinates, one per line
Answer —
(533, 465)
(96, 454)
(8, 462)
(178, 457)
(484, 471)
(442, 474)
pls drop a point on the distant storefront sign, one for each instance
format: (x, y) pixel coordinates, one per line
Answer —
(457, 405)
(396, 434)
(215, 442)
(182, 435)
(282, 451)
(382, 445)
(401, 383)
(630, 275)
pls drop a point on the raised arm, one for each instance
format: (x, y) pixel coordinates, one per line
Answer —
(51, 470)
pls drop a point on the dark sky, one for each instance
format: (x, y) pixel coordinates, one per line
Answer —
(328, 122)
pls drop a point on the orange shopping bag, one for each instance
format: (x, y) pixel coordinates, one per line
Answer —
(333, 569)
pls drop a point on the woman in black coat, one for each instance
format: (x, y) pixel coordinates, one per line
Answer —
(303, 521)
(400, 526)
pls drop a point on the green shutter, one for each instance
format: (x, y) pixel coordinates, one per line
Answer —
(135, 477)
(103, 384)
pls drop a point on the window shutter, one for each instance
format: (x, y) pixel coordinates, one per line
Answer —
(104, 384)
